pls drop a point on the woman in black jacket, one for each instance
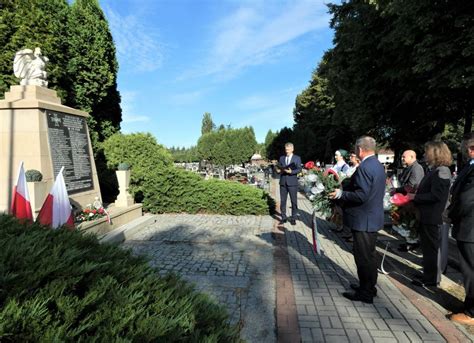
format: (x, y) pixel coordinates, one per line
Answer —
(430, 199)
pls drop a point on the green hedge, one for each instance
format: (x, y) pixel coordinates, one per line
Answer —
(164, 188)
(172, 190)
(57, 285)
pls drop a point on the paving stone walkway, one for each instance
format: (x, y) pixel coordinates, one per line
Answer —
(277, 289)
(324, 315)
(229, 257)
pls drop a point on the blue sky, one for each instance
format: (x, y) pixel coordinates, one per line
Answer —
(242, 61)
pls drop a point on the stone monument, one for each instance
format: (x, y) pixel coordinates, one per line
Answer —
(37, 129)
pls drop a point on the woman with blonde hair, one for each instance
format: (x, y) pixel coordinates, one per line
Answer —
(430, 199)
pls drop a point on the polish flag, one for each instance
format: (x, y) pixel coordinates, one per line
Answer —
(21, 206)
(56, 210)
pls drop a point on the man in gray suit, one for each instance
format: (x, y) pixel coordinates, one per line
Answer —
(411, 175)
(409, 178)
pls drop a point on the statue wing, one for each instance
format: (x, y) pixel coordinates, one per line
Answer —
(21, 62)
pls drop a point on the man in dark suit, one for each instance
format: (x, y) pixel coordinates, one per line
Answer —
(289, 167)
(362, 204)
(461, 212)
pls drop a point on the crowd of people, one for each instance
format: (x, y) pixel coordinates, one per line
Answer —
(442, 200)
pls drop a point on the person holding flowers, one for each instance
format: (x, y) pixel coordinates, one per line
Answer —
(363, 213)
(430, 199)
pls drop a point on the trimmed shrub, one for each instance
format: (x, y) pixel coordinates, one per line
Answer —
(140, 151)
(33, 175)
(58, 285)
(164, 188)
(173, 190)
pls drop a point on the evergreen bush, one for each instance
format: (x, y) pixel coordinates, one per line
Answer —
(163, 188)
(173, 190)
(58, 285)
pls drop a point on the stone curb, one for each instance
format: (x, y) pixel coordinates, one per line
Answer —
(123, 232)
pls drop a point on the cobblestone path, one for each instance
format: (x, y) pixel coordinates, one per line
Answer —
(229, 257)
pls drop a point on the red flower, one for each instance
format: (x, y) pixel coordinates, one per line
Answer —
(309, 165)
(101, 210)
(333, 173)
(399, 199)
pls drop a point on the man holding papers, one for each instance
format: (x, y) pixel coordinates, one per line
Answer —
(288, 167)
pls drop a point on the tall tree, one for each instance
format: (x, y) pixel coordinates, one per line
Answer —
(207, 123)
(277, 146)
(400, 66)
(93, 68)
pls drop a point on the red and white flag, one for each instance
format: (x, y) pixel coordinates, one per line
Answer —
(56, 210)
(21, 206)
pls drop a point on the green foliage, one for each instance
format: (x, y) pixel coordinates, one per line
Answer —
(140, 151)
(184, 154)
(33, 175)
(277, 146)
(399, 70)
(172, 190)
(229, 146)
(207, 124)
(165, 188)
(58, 285)
(321, 201)
(93, 71)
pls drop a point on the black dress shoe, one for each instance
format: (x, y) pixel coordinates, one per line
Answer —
(356, 288)
(420, 283)
(354, 296)
(283, 221)
(292, 221)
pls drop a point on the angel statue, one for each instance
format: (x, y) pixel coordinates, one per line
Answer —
(30, 67)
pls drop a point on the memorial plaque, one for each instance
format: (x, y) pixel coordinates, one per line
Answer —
(69, 143)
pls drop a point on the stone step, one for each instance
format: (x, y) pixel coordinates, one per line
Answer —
(126, 231)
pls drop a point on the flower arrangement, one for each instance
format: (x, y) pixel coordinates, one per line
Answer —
(318, 185)
(90, 213)
(404, 216)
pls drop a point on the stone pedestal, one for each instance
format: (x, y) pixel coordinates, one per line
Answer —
(38, 192)
(124, 199)
(27, 134)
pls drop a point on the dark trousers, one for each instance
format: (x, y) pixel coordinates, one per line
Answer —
(430, 246)
(444, 248)
(365, 257)
(293, 191)
(466, 256)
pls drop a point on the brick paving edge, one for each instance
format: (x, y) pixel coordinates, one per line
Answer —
(286, 315)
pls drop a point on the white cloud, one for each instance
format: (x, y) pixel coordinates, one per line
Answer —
(128, 108)
(258, 33)
(187, 98)
(138, 46)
